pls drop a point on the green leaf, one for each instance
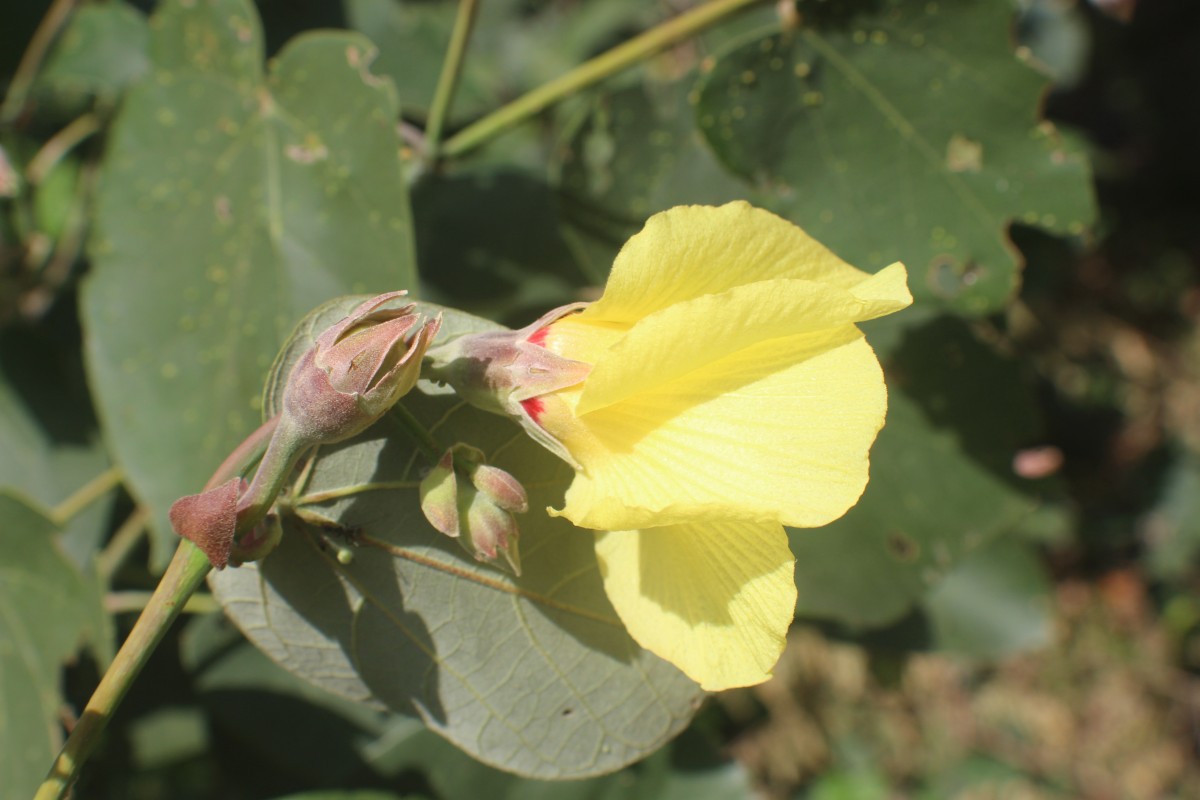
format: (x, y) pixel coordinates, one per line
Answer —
(941, 480)
(48, 433)
(534, 675)
(995, 602)
(230, 204)
(47, 609)
(908, 134)
(102, 50)
(271, 714)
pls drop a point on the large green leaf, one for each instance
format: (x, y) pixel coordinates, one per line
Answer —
(231, 203)
(47, 609)
(534, 675)
(941, 480)
(322, 740)
(911, 133)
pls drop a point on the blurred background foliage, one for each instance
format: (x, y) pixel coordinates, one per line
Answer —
(1011, 610)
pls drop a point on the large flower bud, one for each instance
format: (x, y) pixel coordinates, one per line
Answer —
(353, 374)
(506, 372)
(356, 370)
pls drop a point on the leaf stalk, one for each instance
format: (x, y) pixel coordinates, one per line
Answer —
(443, 96)
(590, 72)
(31, 61)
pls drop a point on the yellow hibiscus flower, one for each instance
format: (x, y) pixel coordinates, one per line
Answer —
(717, 391)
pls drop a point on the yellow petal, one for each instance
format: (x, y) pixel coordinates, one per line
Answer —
(714, 599)
(777, 432)
(690, 251)
(688, 335)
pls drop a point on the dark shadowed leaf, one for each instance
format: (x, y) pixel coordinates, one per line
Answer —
(490, 241)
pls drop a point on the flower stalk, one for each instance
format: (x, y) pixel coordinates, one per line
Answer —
(184, 574)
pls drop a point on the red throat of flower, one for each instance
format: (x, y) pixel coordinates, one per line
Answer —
(534, 407)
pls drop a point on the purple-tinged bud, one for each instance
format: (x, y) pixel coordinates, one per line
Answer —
(209, 519)
(356, 371)
(493, 532)
(461, 494)
(503, 489)
(506, 371)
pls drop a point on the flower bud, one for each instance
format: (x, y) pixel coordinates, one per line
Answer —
(356, 371)
(439, 496)
(482, 506)
(504, 371)
(493, 532)
(503, 489)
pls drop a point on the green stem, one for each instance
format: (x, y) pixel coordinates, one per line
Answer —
(448, 81)
(602, 66)
(350, 491)
(87, 494)
(124, 602)
(273, 471)
(22, 80)
(59, 145)
(184, 574)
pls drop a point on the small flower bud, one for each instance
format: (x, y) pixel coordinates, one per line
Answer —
(482, 505)
(493, 532)
(439, 496)
(356, 371)
(503, 489)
